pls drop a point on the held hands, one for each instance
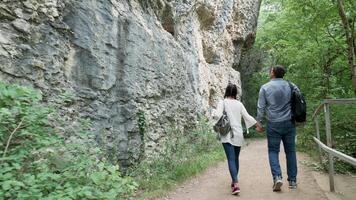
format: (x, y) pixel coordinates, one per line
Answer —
(259, 127)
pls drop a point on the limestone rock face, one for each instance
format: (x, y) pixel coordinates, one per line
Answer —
(137, 67)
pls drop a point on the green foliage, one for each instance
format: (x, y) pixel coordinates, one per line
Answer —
(307, 37)
(141, 122)
(184, 155)
(45, 158)
(253, 86)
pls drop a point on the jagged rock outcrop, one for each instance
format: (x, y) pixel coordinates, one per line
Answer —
(137, 67)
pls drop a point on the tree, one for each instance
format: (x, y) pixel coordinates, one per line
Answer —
(308, 38)
(349, 28)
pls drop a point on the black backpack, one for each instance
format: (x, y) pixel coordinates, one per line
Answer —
(298, 104)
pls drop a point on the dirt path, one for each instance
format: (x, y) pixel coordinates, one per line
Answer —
(255, 180)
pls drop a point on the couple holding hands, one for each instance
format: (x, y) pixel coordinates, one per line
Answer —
(275, 101)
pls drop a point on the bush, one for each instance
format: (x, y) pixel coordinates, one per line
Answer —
(42, 157)
(343, 136)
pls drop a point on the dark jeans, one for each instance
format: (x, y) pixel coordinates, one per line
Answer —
(232, 155)
(277, 132)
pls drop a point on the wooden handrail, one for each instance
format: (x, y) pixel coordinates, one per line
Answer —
(317, 111)
(332, 101)
(336, 153)
(328, 148)
(340, 101)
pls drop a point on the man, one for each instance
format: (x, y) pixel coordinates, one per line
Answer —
(274, 99)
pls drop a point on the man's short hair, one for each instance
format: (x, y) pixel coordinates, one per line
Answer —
(278, 71)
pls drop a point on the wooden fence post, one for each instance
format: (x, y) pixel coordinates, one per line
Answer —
(329, 143)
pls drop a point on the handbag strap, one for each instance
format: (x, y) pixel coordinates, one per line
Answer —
(224, 111)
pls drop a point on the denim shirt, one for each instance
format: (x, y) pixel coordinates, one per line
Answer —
(274, 99)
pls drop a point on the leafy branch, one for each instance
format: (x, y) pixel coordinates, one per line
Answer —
(10, 137)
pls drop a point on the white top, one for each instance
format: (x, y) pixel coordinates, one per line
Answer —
(234, 110)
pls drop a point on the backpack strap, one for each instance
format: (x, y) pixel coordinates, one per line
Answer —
(291, 86)
(224, 107)
(291, 97)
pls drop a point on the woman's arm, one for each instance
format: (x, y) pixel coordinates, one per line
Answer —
(217, 113)
(249, 120)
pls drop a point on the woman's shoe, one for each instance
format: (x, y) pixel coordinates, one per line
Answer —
(235, 190)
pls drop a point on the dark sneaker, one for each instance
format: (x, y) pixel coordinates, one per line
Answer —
(277, 184)
(232, 186)
(235, 190)
(293, 184)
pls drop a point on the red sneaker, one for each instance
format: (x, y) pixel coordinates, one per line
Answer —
(235, 190)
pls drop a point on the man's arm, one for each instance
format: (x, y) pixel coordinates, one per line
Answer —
(261, 105)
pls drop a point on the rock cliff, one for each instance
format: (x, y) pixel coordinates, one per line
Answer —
(137, 67)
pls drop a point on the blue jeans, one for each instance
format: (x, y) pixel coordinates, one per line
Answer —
(277, 132)
(232, 155)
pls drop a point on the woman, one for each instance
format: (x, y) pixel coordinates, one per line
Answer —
(233, 141)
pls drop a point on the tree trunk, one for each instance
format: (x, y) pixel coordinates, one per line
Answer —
(350, 40)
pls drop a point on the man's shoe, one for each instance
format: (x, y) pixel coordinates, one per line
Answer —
(293, 184)
(235, 190)
(277, 184)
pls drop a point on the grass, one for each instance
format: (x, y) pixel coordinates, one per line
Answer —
(185, 154)
(163, 176)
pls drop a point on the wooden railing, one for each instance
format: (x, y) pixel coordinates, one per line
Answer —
(328, 147)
